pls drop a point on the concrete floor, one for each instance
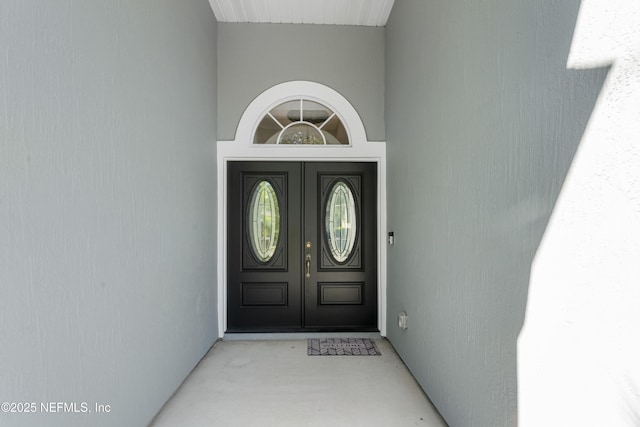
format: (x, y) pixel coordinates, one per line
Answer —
(275, 383)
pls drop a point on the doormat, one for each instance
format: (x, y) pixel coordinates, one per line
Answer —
(342, 347)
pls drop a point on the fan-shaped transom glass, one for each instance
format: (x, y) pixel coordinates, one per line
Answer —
(264, 221)
(341, 222)
(301, 122)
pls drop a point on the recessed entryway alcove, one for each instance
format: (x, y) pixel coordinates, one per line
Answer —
(301, 121)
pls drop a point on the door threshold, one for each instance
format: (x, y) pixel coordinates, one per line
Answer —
(289, 336)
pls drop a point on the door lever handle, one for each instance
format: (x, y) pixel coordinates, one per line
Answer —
(308, 266)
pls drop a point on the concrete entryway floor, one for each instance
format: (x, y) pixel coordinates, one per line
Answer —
(275, 383)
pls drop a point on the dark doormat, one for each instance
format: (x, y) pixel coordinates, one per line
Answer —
(342, 347)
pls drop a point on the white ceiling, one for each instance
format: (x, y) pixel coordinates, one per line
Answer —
(373, 13)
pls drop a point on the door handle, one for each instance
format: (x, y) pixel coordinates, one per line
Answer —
(308, 266)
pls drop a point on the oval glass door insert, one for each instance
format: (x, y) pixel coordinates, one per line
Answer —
(264, 221)
(340, 221)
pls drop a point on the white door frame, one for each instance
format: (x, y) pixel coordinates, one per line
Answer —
(360, 149)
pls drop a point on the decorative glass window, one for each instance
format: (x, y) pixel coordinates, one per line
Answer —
(301, 122)
(340, 221)
(264, 221)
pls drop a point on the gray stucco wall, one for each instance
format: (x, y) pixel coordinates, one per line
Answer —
(483, 120)
(107, 204)
(254, 57)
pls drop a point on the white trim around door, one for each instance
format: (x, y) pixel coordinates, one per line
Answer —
(359, 149)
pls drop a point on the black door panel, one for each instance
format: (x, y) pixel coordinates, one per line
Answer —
(341, 294)
(263, 296)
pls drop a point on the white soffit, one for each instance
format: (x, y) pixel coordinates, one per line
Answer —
(372, 13)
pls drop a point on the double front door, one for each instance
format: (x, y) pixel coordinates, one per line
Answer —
(301, 249)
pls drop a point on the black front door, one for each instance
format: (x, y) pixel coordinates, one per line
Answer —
(301, 250)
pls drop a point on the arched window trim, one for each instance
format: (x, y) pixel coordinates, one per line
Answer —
(295, 90)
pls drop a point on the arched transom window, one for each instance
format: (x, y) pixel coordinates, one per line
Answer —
(301, 122)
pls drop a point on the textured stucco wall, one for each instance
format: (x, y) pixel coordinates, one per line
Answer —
(107, 204)
(483, 120)
(254, 57)
(579, 349)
